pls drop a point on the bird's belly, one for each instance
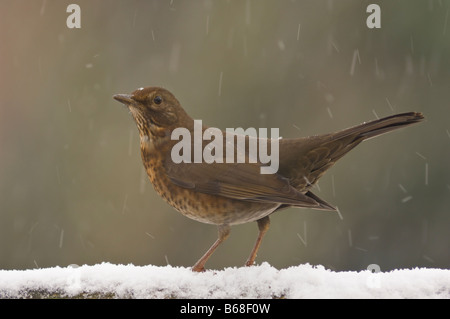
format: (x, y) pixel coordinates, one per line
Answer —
(219, 210)
(206, 208)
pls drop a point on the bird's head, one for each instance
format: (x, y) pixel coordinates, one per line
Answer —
(156, 111)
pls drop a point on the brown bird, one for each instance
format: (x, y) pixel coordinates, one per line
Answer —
(226, 194)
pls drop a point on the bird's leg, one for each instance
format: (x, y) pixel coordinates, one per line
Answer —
(263, 225)
(224, 232)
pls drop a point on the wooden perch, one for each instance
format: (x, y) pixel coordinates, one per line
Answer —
(263, 281)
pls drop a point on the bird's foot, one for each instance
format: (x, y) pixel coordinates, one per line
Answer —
(198, 268)
(249, 263)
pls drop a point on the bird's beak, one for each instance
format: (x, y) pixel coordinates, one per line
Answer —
(124, 98)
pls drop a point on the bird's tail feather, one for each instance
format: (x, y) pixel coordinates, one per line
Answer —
(377, 127)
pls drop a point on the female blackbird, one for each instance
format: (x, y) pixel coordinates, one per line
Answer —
(226, 193)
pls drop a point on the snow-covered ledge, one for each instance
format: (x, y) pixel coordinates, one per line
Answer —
(264, 281)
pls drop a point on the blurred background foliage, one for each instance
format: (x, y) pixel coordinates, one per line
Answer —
(72, 186)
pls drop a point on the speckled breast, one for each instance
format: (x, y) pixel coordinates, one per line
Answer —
(205, 208)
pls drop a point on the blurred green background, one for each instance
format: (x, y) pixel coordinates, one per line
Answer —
(72, 186)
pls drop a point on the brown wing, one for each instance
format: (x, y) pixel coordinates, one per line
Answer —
(242, 181)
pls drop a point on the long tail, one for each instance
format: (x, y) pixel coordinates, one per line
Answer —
(377, 127)
(305, 161)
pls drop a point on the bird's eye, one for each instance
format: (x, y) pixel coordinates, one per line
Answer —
(157, 99)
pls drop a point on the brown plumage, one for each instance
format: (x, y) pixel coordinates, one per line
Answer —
(226, 194)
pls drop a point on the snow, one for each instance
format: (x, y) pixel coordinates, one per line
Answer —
(263, 281)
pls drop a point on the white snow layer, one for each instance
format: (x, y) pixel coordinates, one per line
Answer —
(263, 281)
